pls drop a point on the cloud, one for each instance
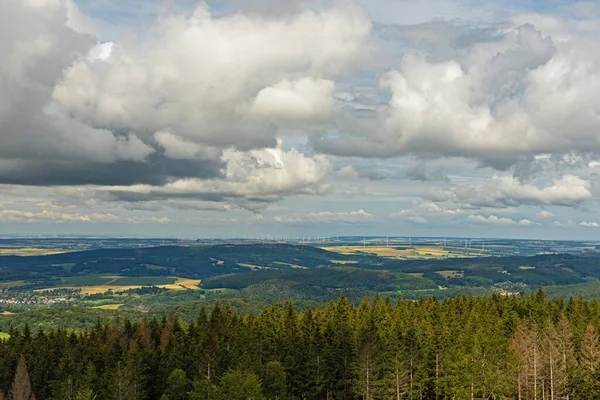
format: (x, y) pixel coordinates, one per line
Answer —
(219, 81)
(348, 173)
(502, 191)
(304, 99)
(420, 172)
(46, 216)
(192, 108)
(525, 222)
(498, 101)
(437, 195)
(31, 126)
(179, 149)
(495, 220)
(157, 170)
(256, 176)
(423, 212)
(351, 217)
(545, 214)
(589, 224)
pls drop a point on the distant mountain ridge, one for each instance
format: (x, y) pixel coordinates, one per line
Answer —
(196, 261)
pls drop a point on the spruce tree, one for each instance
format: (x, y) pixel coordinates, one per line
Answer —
(21, 387)
(178, 385)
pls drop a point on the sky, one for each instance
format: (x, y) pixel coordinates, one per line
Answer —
(258, 118)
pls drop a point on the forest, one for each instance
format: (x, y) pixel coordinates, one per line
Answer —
(497, 347)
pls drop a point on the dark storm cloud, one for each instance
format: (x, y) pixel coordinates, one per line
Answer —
(158, 171)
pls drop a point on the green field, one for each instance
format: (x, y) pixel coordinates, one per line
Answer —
(109, 307)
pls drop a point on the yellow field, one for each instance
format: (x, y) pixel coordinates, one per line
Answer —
(431, 251)
(98, 289)
(6, 313)
(343, 262)
(109, 307)
(179, 284)
(383, 251)
(30, 251)
(183, 283)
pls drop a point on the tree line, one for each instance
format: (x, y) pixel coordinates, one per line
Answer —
(497, 347)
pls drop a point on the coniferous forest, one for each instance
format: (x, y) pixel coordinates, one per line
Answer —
(523, 347)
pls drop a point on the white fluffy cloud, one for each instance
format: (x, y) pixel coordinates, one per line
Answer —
(219, 80)
(359, 216)
(347, 173)
(545, 214)
(424, 212)
(586, 224)
(178, 148)
(495, 220)
(188, 109)
(211, 112)
(31, 126)
(47, 216)
(514, 94)
(304, 99)
(501, 191)
(256, 176)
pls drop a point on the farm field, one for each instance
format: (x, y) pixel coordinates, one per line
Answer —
(109, 307)
(432, 251)
(183, 283)
(30, 251)
(96, 289)
(392, 252)
(381, 251)
(98, 284)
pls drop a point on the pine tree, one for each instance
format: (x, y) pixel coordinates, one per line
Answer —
(21, 387)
